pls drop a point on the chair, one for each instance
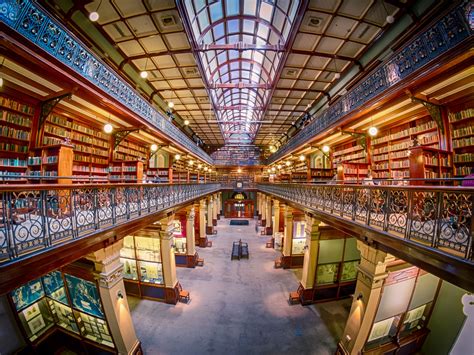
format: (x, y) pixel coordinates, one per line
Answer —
(184, 296)
(278, 263)
(200, 262)
(294, 297)
(209, 244)
(270, 243)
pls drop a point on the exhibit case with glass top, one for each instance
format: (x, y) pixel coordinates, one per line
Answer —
(142, 267)
(60, 301)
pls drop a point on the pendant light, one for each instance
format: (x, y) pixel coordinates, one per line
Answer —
(94, 15)
(144, 73)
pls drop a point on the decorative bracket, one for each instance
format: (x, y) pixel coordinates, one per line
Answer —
(120, 135)
(48, 105)
(361, 138)
(434, 111)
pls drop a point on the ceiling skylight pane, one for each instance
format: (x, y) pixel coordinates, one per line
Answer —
(232, 7)
(266, 11)
(233, 26)
(250, 7)
(249, 26)
(199, 4)
(216, 11)
(203, 20)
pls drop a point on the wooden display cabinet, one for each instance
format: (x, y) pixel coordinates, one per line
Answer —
(51, 164)
(429, 163)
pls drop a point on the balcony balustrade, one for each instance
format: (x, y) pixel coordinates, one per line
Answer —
(436, 217)
(37, 217)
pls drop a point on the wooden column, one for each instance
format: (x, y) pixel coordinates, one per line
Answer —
(310, 258)
(202, 223)
(370, 278)
(109, 272)
(191, 254)
(264, 210)
(219, 205)
(259, 205)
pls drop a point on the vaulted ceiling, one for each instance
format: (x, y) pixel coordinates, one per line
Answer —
(241, 72)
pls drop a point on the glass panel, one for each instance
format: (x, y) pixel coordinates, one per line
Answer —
(425, 290)
(151, 272)
(27, 294)
(232, 7)
(94, 328)
(349, 270)
(395, 299)
(250, 7)
(327, 274)
(180, 245)
(63, 316)
(129, 269)
(36, 319)
(216, 11)
(330, 251)
(351, 252)
(84, 295)
(148, 248)
(54, 286)
(128, 249)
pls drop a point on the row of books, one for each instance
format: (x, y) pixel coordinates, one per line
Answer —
(11, 132)
(456, 116)
(15, 105)
(13, 162)
(406, 132)
(15, 118)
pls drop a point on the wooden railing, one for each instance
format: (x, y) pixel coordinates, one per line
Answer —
(37, 217)
(437, 217)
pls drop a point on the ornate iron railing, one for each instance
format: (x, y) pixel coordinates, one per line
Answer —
(446, 33)
(438, 217)
(37, 217)
(38, 27)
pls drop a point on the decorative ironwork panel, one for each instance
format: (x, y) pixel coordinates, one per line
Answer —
(397, 211)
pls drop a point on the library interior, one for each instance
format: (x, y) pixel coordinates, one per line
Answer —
(236, 176)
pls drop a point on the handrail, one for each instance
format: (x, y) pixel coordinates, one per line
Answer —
(439, 217)
(37, 217)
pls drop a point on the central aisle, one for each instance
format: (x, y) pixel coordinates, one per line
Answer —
(238, 306)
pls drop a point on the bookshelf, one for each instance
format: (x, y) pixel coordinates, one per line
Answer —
(429, 163)
(51, 164)
(127, 163)
(90, 146)
(351, 162)
(462, 129)
(391, 152)
(16, 119)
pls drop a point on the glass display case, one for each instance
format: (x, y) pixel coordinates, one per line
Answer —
(179, 240)
(45, 303)
(151, 272)
(299, 238)
(128, 248)
(129, 269)
(148, 248)
(327, 274)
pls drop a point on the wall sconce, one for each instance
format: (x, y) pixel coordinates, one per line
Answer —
(119, 294)
(360, 296)
(305, 247)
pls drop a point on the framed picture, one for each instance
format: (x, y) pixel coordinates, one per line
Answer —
(381, 329)
(36, 324)
(31, 311)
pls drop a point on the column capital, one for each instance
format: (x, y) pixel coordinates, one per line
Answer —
(202, 203)
(276, 203)
(190, 212)
(108, 268)
(373, 265)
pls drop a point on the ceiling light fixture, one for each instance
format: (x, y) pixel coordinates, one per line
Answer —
(279, 166)
(144, 73)
(239, 170)
(302, 157)
(199, 166)
(177, 156)
(94, 15)
(186, 122)
(336, 75)
(171, 104)
(108, 128)
(190, 163)
(389, 18)
(154, 147)
(326, 148)
(273, 169)
(1, 82)
(373, 131)
(288, 163)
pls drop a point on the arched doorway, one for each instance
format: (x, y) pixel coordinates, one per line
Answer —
(238, 206)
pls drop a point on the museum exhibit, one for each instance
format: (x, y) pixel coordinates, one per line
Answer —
(236, 176)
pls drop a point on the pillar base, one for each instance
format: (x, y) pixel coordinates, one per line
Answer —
(191, 260)
(171, 294)
(214, 222)
(137, 349)
(209, 230)
(203, 242)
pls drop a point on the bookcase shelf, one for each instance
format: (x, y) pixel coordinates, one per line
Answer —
(462, 129)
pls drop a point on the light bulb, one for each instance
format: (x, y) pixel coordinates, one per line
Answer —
(190, 163)
(1, 82)
(199, 166)
(171, 104)
(154, 147)
(337, 76)
(390, 19)
(279, 166)
(94, 16)
(177, 156)
(273, 168)
(373, 131)
(269, 170)
(288, 163)
(206, 168)
(144, 74)
(108, 128)
(239, 170)
(302, 157)
(186, 122)
(325, 148)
